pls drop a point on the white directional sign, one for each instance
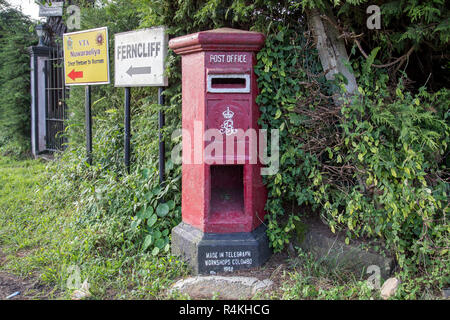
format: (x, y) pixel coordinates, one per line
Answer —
(139, 58)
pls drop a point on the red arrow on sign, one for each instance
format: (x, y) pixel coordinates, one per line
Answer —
(75, 74)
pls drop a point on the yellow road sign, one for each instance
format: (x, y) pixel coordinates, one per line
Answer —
(86, 57)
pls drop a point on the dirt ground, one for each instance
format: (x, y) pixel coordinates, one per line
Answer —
(10, 284)
(28, 289)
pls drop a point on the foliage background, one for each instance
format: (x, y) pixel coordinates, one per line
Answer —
(374, 168)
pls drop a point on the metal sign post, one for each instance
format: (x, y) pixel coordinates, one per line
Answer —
(162, 149)
(86, 62)
(127, 128)
(139, 62)
(88, 118)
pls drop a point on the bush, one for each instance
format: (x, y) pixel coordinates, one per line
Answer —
(374, 167)
(15, 98)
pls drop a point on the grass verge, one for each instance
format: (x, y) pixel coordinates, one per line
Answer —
(49, 241)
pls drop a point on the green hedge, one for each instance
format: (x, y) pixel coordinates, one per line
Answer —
(15, 37)
(375, 167)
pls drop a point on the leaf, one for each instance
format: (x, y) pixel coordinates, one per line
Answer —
(151, 221)
(156, 191)
(155, 251)
(407, 171)
(167, 247)
(277, 114)
(147, 242)
(162, 210)
(371, 57)
(157, 234)
(280, 36)
(148, 196)
(394, 173)
(145, 173)
(148, 213)
(135, 223)
(140, 214)
(399, 93)
(171, 204)
(159, 243)
(361, 90)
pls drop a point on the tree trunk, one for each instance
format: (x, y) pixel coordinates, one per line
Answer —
(332, 52)
(333, 57)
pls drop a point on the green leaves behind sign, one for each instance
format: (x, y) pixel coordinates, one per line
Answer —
(162, 210)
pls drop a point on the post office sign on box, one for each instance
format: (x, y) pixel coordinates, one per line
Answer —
(139, 58)
(86, 57)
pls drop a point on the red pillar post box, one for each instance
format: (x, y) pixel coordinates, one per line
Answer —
(223, 196)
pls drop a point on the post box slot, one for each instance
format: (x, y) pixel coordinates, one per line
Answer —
(227, 192)
(228, 83)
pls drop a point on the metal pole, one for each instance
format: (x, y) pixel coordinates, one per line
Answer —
(36, 105)
(127, 128)
(88, 124)
(162, 150)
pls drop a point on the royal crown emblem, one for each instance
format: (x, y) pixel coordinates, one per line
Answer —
(227, 126)
(228, 114)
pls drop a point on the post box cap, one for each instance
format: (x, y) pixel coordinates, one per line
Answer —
(223, 39)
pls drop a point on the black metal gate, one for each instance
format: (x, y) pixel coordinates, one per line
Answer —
(55, 96)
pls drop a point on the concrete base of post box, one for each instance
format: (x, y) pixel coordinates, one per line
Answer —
(209, 253)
